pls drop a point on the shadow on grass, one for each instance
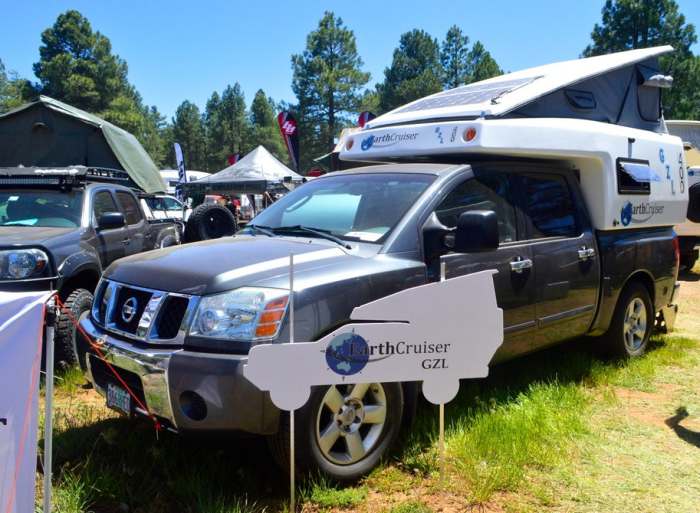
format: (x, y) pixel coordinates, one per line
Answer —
(685, 434)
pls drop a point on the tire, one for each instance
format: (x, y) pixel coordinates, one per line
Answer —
(336, 460)
(632, 323)
(166, 240)
(210, 221)
(688, 260)
(70, 347)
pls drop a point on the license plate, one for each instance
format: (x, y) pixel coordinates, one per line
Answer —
(118, 398)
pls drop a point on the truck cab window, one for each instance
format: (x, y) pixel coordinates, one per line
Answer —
(549, 207)
(131, 208)
(486, 191)
(103, 203)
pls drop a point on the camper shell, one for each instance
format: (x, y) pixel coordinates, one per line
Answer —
(590, 115)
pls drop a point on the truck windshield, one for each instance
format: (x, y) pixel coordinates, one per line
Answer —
(47, 208)
(363, 207)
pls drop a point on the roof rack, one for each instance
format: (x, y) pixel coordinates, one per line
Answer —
(70, 176)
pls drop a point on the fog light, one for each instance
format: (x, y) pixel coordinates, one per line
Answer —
(192, 405)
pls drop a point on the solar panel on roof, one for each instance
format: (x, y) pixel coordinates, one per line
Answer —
(468, 94)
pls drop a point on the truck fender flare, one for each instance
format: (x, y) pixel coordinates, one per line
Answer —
(79, 262)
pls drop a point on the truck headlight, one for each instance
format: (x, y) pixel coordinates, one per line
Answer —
(245, 314)
(17, 264)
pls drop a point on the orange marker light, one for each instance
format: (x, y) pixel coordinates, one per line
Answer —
(348, 145)
(271, 318)
(266, 330)
(470, 134)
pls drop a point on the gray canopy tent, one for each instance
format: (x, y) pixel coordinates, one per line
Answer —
(256, 173)
(49, 133)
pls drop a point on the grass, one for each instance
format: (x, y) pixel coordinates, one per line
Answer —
(325, 494)
(561, 430)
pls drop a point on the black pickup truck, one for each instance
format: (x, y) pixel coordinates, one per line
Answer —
(60, 227)
(178, 323)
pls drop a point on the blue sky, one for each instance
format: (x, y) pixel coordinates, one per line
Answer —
(179, 50)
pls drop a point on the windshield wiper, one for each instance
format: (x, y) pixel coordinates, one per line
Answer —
(265, 230)
(324, 234)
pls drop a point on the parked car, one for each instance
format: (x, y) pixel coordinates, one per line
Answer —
(583, 245)
(165, 206)
(60, 228)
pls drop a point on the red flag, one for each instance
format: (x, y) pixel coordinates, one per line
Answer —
(290, 133)
(365, 117)
(232, 159)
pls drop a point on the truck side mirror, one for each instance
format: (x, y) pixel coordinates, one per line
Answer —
(477, 230)
(110, 220)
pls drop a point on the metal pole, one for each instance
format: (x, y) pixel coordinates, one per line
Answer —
(441, 436)
(292, 486)
(48, 404)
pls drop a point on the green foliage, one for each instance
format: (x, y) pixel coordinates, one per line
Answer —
(480, 64)
(327, 494)
(327, 82)
(629, 24)
(453, 56)
(463, 65)
(13, 90)
(188, 130)
(415, 71)
(411, 507)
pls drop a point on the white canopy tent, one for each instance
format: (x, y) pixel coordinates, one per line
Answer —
(258, 172)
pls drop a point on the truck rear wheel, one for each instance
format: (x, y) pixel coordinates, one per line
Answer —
(69, 344)
(343, 431)
(632, 323)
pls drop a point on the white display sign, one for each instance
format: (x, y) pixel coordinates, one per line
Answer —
(436, 333)
(21, 332)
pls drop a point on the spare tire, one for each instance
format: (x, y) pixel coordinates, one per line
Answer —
(209, 221)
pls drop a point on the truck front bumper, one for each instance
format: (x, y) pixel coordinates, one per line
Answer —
(188, 390)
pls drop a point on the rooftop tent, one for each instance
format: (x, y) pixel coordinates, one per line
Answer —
(257, 172)
(621, 88)
(49, 133)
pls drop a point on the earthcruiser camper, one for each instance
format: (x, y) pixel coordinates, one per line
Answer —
(560, 177)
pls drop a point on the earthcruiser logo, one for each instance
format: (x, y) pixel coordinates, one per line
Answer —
(386, 140)
(349, 353)
(639, 213)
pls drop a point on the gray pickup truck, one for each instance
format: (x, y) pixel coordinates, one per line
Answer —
(178, 323)
(60, 227)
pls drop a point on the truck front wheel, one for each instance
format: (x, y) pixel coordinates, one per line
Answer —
(70, 346)
(343, 431)
(632, 322)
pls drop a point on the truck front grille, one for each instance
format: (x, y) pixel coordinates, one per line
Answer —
(147, 315)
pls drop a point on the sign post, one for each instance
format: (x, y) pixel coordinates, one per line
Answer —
(292, 459)
(441, 407)
(48, 406)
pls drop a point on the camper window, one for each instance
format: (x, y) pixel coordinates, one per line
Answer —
(635, 176)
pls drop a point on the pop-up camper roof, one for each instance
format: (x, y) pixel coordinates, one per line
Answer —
(50, 133)
(585, 115)
(620, 88)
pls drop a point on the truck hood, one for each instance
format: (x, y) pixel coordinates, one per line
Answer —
(224, 264)
(35, 235)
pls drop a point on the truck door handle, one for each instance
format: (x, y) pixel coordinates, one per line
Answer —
(126, 241)
(585, 253)
(520, 264)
